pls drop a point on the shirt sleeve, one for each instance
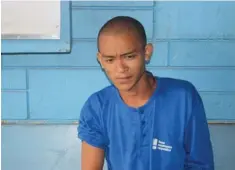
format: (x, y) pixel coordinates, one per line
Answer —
(89, 126)
(198, 147)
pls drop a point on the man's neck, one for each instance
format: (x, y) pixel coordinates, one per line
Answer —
(141, 92)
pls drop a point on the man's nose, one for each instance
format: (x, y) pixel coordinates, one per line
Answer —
(121, 66)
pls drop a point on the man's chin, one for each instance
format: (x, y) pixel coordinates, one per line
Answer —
(123, 87)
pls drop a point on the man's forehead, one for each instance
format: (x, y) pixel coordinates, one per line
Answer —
(108, 43)
(120, 33)
(116, 54)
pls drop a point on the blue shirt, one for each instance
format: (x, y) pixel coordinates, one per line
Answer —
(169, 132)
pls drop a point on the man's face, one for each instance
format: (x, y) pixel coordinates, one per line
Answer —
(123, 59)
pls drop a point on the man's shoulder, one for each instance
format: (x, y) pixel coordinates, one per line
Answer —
(176, 85)
(102, 95)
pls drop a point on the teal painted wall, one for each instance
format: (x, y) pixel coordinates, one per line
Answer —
(194, 41)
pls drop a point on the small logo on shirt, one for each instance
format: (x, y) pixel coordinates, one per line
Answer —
(157, 144)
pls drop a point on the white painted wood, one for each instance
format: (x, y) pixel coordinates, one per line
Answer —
(31, 19)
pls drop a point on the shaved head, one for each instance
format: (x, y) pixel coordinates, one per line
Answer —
(123, 52)
(124, 24)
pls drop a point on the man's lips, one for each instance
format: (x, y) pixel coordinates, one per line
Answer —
(123, 79)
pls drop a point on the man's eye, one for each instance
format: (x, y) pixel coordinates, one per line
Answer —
(130, 56)
(109, 60)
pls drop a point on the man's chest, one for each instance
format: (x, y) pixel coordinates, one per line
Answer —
(146, 135)
(144, 125)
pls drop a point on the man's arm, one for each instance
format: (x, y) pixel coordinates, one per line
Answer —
(92, 135)
(92, 157)
(199, 153)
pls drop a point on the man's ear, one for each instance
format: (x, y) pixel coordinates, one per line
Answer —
(99, 59)
(148, 52)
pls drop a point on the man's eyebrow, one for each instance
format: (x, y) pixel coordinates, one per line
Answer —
(107, 56)
(110, 56)
(130, 52)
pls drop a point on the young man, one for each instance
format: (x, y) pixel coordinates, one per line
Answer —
(141, 121)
